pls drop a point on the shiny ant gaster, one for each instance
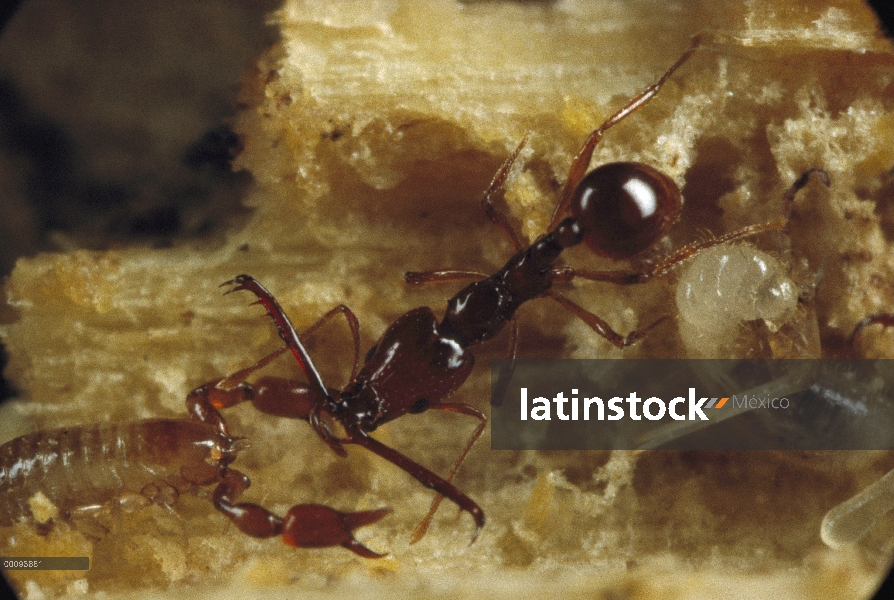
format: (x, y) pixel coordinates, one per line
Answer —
(618, 210)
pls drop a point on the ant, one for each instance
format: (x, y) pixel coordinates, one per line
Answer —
(618, 210)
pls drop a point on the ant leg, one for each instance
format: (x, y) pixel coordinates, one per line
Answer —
(499, 390)
(464, 409)
(601, 327)
(240, 376)
(305, 525)
(350, 317)
(353, 323)
(270, 395)
(420, 277)
(496, 190)
(581, 162)
(283, 326)
(422, 475)
(315, 389)
(662, 267)
(690, 250)
(234, 379)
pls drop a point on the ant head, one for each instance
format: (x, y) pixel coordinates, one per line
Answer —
(624, 208)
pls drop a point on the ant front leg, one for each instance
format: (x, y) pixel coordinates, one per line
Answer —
(304, 526)
(423, 475)
(270, 395)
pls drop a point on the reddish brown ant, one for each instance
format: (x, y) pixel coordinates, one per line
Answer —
(617, 210)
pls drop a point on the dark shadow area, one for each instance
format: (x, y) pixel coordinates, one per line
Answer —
(884, 9)
(886, 589)
(5, 589)
(114, 124)
(710, 177)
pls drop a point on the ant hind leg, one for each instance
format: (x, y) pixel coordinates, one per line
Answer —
(601, 327)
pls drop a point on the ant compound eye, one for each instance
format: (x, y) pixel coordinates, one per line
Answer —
(625, 208)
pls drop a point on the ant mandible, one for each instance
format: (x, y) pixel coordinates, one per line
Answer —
(617, 210)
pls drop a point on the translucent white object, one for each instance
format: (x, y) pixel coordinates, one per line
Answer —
(725, 286)
(849, 521)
